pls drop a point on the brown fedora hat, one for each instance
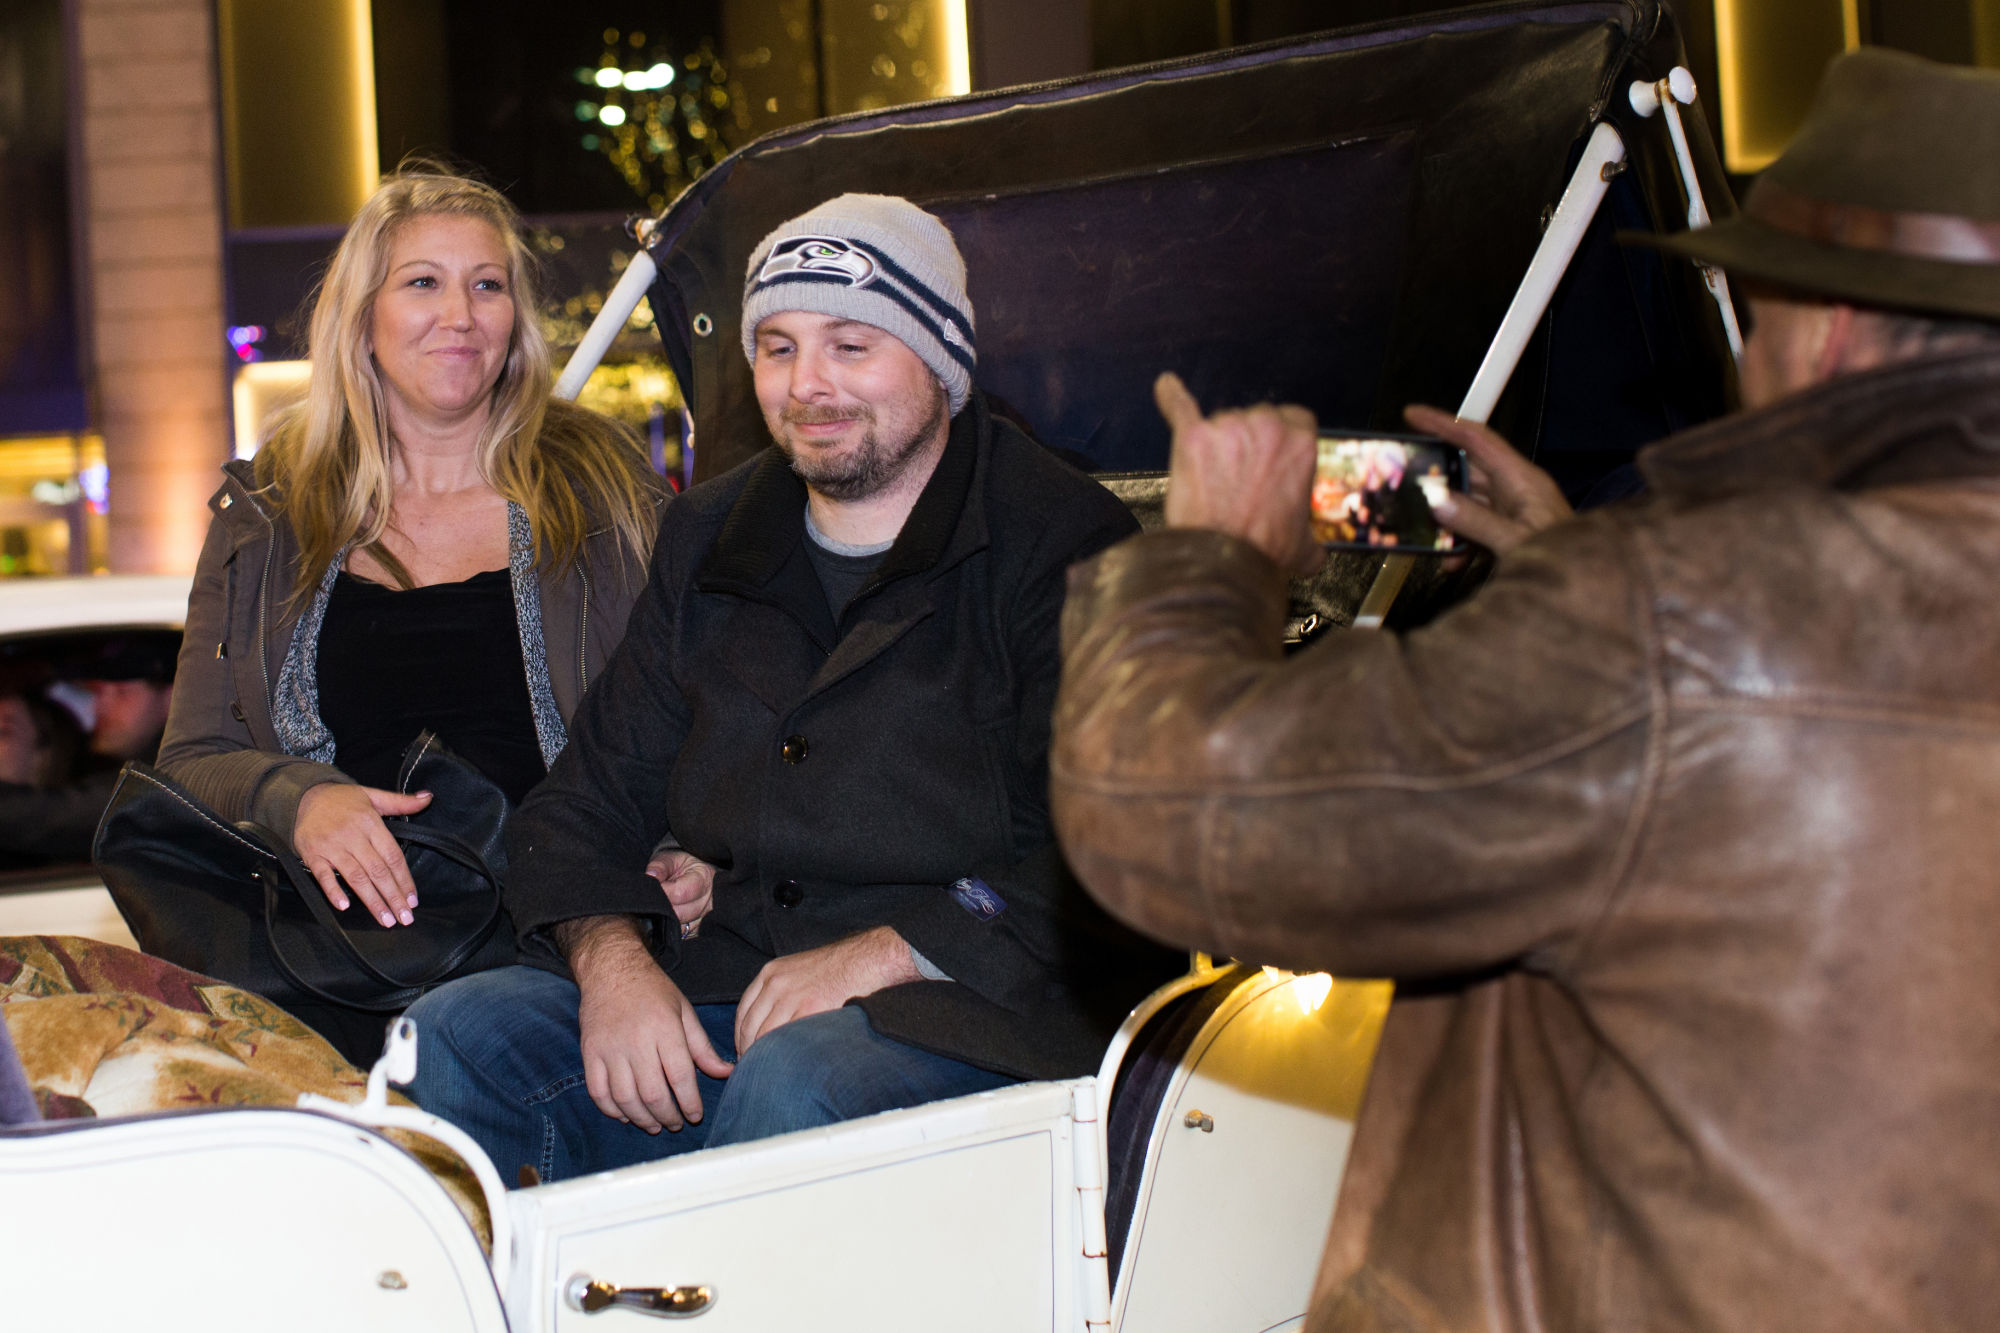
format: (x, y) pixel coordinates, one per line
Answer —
(1889, 196)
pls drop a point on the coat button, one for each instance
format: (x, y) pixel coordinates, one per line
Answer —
(793, 751)
(787, 893)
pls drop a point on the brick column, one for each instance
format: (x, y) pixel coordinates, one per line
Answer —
(152, 264)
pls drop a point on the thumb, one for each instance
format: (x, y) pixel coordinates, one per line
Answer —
(1476, 522)
(1176, 404)
(699, 1048)
(1430, 420)
(395, 803)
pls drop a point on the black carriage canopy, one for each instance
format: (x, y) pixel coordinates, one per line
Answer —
(1339, 220)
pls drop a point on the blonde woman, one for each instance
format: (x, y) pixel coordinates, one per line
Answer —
(427, 541)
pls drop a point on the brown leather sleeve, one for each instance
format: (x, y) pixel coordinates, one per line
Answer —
(1377, 805)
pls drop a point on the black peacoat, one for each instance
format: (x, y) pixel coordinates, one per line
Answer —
(851, 775)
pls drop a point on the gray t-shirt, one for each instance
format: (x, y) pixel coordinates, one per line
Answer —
(842, 568)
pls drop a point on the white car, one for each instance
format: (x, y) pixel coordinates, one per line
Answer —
(43, 618)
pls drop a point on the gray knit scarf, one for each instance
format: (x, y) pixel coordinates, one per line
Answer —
(295, 710)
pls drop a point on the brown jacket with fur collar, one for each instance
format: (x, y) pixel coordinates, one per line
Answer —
(1679, 839)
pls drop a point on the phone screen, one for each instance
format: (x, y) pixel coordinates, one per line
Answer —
(1375, 492)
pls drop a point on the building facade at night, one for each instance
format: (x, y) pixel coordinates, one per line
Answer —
(173, 173)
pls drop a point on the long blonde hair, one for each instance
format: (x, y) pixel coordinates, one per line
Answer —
(326, 464)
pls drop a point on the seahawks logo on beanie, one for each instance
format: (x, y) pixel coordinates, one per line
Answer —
(874, 259)
(818, 254)
(857, 265)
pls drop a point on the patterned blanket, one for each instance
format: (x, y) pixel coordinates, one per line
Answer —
(102, 1031)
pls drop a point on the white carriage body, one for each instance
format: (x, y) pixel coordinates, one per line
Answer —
(979, 1213)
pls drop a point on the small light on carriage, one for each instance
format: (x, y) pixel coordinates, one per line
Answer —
(1309, 989)
(612, 115)
(610, 78)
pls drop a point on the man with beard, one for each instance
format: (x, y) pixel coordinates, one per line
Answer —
(828, 727)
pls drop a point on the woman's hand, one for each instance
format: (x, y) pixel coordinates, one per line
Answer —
(339, 832)
(689, 882)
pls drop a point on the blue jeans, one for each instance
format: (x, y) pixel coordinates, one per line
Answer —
(499, 1055)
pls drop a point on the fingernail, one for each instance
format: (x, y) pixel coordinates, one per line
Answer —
(340, 904)
(413, 900)
(388, 920)
(407, 919)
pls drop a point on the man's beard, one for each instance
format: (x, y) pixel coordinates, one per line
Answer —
(868, 468)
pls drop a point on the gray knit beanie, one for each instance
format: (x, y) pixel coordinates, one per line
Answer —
(878, 259)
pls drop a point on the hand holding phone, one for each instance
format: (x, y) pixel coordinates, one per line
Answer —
(1375, 492)
(1507, 498)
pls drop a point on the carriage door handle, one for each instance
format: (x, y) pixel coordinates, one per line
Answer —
(591, 1297)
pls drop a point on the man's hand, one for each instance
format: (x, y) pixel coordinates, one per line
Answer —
(1507, 498)
(642, 1040)
(689, 882)
(802, 984)
(1246, 473)
(339, 832)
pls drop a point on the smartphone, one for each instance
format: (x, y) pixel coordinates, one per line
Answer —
(1374, 492)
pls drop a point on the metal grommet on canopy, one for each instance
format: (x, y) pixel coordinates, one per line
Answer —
(703, 326)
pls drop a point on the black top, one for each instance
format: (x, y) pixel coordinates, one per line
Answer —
(448, 657)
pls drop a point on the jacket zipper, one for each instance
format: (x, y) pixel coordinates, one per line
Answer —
(264, 606)
(583, 633)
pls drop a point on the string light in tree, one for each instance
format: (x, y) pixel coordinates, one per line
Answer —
(663, 121)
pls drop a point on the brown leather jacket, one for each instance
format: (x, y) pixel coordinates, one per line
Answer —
(1680, 841)
(221, 743)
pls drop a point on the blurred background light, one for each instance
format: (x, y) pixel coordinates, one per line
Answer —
(261, 389)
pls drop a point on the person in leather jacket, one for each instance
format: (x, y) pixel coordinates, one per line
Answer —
(1676, 836)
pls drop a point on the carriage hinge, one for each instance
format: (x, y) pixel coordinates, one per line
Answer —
(1094, 1269)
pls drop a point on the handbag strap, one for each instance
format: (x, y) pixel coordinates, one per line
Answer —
(405, 989)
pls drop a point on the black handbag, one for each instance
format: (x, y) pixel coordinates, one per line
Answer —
(230, 900)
